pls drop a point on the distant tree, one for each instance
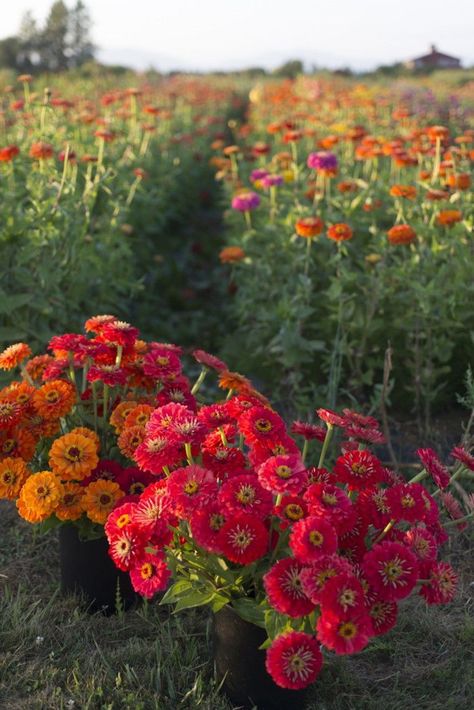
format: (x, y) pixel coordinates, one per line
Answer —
(81, 48)
(290, 69)
(9, 52)
(54, 47)
(29, 41)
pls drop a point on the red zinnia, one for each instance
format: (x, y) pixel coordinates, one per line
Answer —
(294, 660)
(435, 468)
(359, 469)
(150, 574)
(284, 588)
(315, 577)
(244, 494)
(349, 634)
(243, 539)
(342, 595)
(442, 584)
(392, 569)
(311, 538)
(191, 487)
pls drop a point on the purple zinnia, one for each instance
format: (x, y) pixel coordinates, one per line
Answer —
(323, 160)
(272, 180)
(246, 201)
(258, 174)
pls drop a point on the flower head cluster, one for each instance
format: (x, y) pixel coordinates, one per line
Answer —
(334, 549)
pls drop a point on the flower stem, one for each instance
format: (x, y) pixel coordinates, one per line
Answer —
(199, 380)
(327, 440)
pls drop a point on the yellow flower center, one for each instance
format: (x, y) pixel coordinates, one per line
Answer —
(246, 494)
(105, 499)
(283, 471)
(348, 630)
(316, 538)
(52, 396)
(293, 511)
(123, 520)
(73, 454)
(146, 570)
(216, 521)
(408, 501)
(263, 425)
(191, 487)
(329, 498)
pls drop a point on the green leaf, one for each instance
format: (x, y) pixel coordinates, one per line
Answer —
(250, 611)
(175, 591)
(193, 599)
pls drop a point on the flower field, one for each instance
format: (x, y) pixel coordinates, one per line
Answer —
(295, 477)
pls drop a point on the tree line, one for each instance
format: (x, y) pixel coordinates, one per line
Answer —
(63, 42)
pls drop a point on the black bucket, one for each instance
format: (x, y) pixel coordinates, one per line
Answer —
(87, 570)
(241, 666)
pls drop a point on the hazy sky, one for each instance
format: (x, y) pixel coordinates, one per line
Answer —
(207, 34)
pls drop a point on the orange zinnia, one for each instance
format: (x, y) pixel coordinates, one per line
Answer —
(406, 191)
(41, 493)
(100, 499)
(309, 227)
(233, 381)
(70, 506)
(17, 442)
(231, 255)
(339, 232)
(13, 474)
(54, 399)
(139, 416)
(41, 150)
(73, 457)
(461, 181)
(13, 355)
(401, 234)
(449, 217)
(89, 434)
(129, 439)
(120, 413)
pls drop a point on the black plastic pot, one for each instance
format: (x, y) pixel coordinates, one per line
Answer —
(87, 570)
(241, 666)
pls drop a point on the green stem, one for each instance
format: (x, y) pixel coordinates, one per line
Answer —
(305, 450)
(327, 440)
(105, 403)
(199, 381)
(450, 523)
(189, 455)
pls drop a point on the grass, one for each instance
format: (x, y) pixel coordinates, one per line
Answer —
(55, 656)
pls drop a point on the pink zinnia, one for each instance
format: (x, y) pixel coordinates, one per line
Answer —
(283, 474)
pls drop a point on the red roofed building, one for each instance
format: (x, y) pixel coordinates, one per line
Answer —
(434, 60)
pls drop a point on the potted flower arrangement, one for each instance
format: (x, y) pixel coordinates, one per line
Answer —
(295, 556)
(68, 431)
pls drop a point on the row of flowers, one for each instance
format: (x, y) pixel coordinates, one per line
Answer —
(317, 544)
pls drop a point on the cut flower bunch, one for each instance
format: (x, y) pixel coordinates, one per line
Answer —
(63, 457)
(318, 554)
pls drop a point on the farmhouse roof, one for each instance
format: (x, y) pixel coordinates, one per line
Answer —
(434, 54)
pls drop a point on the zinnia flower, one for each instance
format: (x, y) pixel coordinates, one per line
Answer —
(311, 538)
(348, 634)
(13, 474)
(150, 574)
(392, 570)
(309, 227)
(245, 201)
(284, 588)
(442, 584)
(283, 474)
(243, 538)
(100, 499)
(73, 457)
(54, 399)
(339, 232)
(294, 660)
(14, 355)
(401, 234)
(41, 493)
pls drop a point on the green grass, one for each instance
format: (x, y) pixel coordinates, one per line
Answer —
(54, 656)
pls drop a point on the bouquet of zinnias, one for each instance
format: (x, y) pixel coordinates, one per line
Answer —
(70, 426)
(317, 555)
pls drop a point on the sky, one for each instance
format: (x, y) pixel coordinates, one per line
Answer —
(229, 34)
